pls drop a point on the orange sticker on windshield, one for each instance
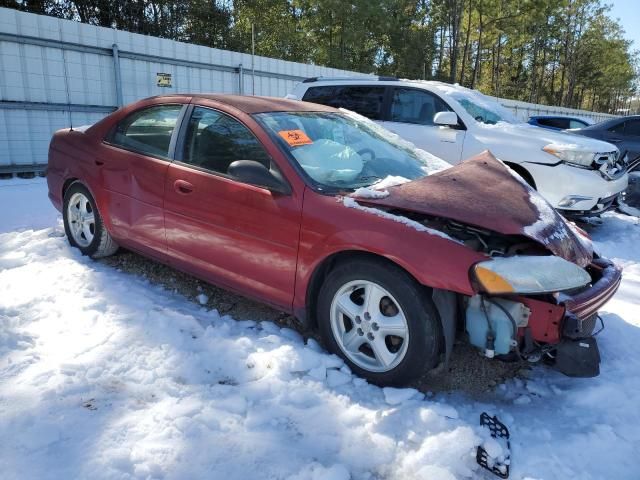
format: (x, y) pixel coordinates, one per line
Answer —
(295, 138)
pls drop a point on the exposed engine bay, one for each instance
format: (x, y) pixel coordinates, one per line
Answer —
(479, 239)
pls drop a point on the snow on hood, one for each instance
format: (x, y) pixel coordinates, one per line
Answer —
(377, 190)
(482, 192)
(515, 126)
(544, 136)
(350, 202)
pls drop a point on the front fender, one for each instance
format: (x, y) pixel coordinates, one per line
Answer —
(329, 228)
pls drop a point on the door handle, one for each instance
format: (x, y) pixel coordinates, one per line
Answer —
(99, 162)
(182, 187)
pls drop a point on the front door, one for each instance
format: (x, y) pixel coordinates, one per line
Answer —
(231, 233)
(411, 116)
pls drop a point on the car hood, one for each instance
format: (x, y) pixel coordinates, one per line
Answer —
(544, 136)
(485, 193)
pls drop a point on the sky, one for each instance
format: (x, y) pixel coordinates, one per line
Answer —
(628, 12)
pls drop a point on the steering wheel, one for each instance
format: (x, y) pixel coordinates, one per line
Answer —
(364, 151)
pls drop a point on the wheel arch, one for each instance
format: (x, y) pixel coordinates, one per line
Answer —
(100, 202)
(321, 271)
(523, 172)
(445, 301)
(67, 183)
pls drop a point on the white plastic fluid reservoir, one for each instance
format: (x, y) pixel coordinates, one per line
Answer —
(478, 328)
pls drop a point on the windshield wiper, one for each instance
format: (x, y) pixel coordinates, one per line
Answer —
(368, 180)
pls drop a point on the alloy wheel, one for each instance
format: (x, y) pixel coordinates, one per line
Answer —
(369, 326)
(81, 218)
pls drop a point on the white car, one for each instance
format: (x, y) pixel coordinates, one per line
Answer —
(578, 175)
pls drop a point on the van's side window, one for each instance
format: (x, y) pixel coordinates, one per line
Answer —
(365, 100)
(415, 106)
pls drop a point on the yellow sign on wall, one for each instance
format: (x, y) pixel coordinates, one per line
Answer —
(163, 79)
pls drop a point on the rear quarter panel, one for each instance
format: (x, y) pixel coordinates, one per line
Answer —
(70, 158)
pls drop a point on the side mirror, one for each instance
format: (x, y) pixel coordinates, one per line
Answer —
(255, 173)
(447, 119)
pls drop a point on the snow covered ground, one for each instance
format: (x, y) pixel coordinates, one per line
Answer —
(104, 375)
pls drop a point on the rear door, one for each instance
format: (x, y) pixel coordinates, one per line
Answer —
(231, 233)
(133, 161)
(411, 114)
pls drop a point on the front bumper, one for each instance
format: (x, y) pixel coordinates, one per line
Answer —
(578, 355)
(586, 303)
(559, 182)
(567, 327)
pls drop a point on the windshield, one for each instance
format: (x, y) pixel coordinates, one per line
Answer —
(345, 151)
(483, 109)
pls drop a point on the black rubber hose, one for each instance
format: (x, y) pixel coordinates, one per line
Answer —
(513, 323)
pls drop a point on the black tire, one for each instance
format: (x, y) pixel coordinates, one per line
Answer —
(423, 322)
(101, 245)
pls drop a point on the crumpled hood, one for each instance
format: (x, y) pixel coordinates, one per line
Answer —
(485, 193)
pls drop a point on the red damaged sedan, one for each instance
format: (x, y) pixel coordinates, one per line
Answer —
(323, 214)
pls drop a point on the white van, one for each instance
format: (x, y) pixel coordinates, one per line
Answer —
(578, 175)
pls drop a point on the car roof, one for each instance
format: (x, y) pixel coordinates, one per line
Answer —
(375, 80)
(256, 104)
(558, 116)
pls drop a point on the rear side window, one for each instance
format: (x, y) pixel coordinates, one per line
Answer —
(147, 131)
(577, 124)
(215, 140)
(554, 122)
(632, 128)
(415, 106)
(617, 128)
(365, 100)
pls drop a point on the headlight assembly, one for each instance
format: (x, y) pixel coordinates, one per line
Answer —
(572, 154)
(528, 275)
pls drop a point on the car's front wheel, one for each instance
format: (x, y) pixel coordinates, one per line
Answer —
(83, 223)
(379, 320)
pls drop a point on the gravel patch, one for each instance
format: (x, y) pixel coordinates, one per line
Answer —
(467, 372)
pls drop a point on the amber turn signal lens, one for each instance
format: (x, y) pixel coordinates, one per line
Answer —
(491, 282)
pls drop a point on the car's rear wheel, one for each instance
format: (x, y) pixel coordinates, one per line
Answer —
(379, 320)
(83, 223)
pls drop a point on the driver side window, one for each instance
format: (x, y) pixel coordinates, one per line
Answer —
(215, 140)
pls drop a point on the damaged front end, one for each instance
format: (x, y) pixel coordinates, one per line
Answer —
(537, 320)
(531, 305)
(538, 292)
